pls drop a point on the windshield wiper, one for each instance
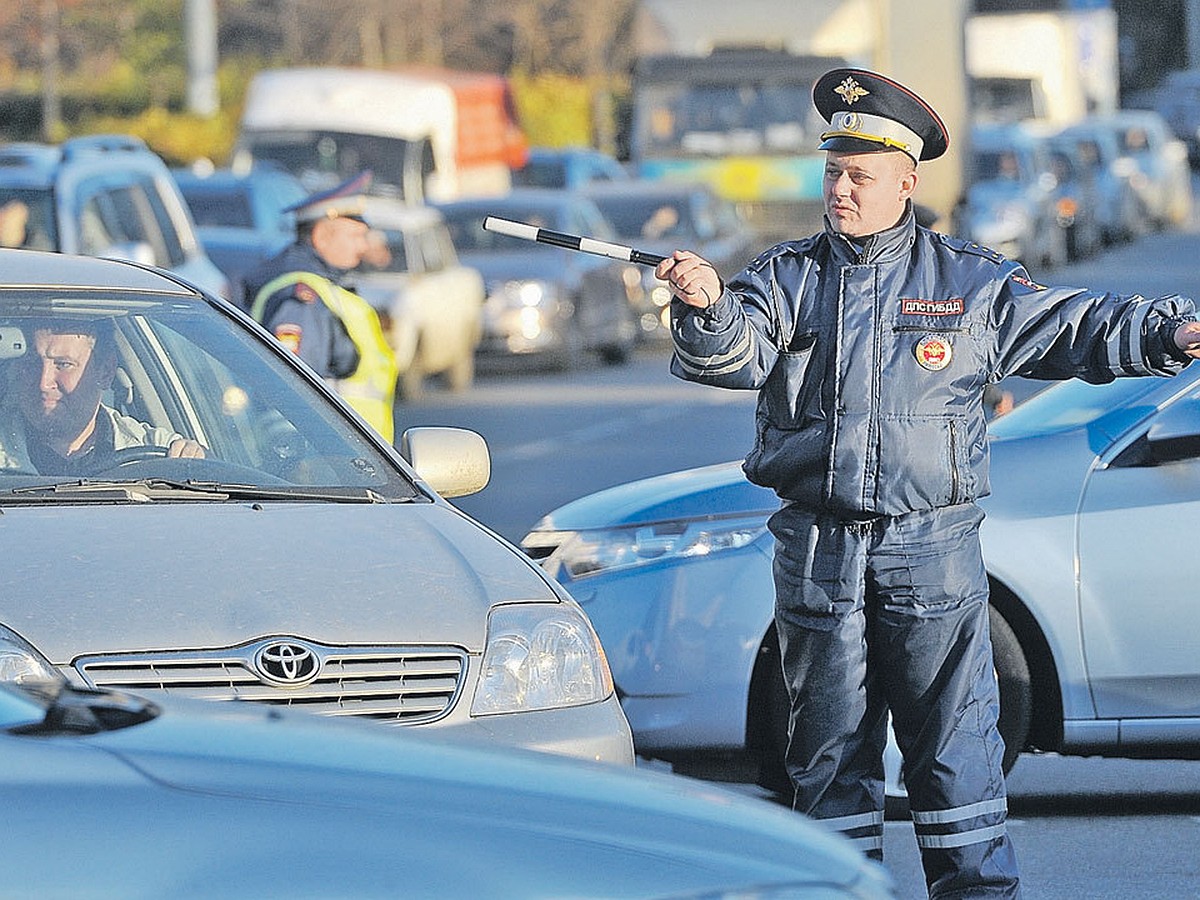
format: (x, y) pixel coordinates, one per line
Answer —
(150, 489)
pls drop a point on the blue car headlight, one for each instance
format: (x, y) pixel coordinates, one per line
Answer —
(579, 554)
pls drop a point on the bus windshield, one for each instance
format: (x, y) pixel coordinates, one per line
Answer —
(722, 119)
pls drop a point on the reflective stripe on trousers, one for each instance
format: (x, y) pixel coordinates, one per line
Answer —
(891, 613)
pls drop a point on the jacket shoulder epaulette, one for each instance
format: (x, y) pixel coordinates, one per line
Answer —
(801, 247)
(959, 245)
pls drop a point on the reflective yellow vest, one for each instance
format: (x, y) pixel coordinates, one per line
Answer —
(371, 388)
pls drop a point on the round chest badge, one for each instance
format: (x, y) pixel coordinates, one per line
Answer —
(933, 352)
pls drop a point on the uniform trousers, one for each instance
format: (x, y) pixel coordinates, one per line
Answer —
(891, 614)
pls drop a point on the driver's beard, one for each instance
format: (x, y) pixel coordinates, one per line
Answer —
(60, 426)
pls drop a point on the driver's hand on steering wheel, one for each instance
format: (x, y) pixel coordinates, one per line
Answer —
(187, 449)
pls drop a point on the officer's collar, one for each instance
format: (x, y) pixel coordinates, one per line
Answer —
(882, 245)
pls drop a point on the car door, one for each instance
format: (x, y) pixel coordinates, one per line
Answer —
(1139, 604)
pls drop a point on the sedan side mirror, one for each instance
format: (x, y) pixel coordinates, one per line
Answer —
(1173, 436)
(453, 461)
(1175, 433)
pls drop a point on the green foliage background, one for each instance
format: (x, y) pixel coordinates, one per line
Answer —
(122, 63)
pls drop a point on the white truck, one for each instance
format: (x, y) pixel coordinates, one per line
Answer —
(1054, 67)
(425, 134)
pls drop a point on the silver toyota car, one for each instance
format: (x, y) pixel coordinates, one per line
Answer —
(186, 507)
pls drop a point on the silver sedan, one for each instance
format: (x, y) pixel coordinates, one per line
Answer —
(1096, 490)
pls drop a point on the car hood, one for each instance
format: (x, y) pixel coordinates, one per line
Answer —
(98, 578)
(287, 804)
(691, 493)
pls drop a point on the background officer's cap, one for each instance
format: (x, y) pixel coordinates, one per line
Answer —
(867, 111)
(346, 201)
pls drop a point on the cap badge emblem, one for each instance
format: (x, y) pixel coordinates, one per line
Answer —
(933, 352)
(850, 121)
(850, 90)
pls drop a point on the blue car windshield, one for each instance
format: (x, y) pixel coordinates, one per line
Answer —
(1068, 404)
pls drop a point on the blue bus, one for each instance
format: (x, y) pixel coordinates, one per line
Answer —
(740, 119)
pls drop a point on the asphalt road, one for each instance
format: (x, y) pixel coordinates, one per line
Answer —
(1083, 828)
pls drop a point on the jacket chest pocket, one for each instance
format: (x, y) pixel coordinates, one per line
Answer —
(791, 395)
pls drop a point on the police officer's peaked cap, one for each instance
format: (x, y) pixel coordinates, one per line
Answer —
(345, 201)
(867, 111)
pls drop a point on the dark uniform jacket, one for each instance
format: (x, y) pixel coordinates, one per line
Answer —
(297, 316)
(871, 360)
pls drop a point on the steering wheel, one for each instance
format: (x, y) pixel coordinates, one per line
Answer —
(128, 456)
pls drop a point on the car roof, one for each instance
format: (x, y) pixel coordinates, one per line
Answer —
(29, 163)
(227, 178)
(386, 212)
(646, 188)
(25, 269)
(520, 196)
(991, 135)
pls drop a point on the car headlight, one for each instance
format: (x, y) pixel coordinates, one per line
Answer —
(522, 294)
(540, 656)
(583, 553)
(21, 663)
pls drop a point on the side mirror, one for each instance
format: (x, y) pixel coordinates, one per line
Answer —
(1175, 433)
(453, 461)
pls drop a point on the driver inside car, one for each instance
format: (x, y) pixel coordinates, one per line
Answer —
(52, 420)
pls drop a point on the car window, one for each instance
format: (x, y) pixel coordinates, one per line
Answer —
(131, 213)
(182, 370)
(27, 219)
(467, 231)
(547, 173)
(223, 208)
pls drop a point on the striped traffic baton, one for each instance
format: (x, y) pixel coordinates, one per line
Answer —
(570, 241)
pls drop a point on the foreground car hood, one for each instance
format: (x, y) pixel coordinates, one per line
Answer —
(99, 578)
(231, 800)
(691, 493)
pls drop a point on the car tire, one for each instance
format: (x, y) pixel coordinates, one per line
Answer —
(1016, 688)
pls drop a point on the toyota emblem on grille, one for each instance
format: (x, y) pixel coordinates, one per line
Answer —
(287, 662)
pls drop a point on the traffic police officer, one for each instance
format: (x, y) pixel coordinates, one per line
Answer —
(301, 297)
(870, 345)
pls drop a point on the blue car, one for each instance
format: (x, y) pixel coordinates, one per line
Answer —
(165, 797)
(1095, 495)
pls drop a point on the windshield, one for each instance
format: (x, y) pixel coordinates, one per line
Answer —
(225, 208)
(547, 173)
(321, 159)
(1003, 165)
(650, 218)
(713, 119)
(27, 219)
(465, 224)
(1069, 404)
(112, 388)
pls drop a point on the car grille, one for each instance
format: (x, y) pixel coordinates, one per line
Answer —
(397, 685)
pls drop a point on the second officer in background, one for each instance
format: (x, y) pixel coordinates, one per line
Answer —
(302, 297)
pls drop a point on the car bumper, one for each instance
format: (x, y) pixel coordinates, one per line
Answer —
(683, 662)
